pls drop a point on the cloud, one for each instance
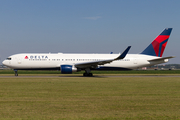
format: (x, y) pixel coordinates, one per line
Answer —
(93, 18)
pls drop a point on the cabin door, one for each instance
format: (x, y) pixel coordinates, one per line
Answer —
(135, 61)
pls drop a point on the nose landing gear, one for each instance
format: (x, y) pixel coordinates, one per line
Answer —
(16, 74)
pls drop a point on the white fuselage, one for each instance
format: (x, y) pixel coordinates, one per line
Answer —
(52, 61)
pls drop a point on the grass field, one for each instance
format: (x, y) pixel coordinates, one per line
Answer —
(90, 98)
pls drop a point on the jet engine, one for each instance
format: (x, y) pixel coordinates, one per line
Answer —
(68, 69)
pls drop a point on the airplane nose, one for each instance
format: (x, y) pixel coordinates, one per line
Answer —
(4, 62)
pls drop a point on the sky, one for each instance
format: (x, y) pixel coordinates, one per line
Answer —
(87, 26)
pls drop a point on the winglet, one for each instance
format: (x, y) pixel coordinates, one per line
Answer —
(123, 55)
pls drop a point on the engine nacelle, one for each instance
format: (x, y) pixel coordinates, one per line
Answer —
(68, 69)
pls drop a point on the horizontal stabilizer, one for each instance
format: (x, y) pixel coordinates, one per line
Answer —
(162, 58)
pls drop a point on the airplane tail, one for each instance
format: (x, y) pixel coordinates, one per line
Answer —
(156, 48)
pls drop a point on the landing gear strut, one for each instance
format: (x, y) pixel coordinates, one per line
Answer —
(16, 74)
(87, 72)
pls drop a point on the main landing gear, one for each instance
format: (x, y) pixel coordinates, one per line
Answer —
(16, 74)
(87, 73)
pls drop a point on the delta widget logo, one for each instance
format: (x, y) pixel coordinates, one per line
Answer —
(26, 57)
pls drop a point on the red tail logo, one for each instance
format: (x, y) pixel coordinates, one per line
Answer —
(156, 48)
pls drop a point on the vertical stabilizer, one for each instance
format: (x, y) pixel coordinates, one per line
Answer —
(156, 48)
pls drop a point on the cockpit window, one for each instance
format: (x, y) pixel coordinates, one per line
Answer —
(8, 58)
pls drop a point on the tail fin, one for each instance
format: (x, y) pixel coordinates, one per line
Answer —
(156, 48)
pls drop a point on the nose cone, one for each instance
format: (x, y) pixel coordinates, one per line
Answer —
(4, 62)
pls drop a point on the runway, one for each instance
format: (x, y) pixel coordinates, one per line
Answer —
(95, 76)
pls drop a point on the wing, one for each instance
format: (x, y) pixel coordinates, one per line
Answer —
(94, 64)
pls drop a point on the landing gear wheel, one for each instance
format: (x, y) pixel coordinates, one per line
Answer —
(84, 74)
(87, 74)
(16, 74)
(90, 74)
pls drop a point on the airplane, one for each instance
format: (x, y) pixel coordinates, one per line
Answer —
(69, 63)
